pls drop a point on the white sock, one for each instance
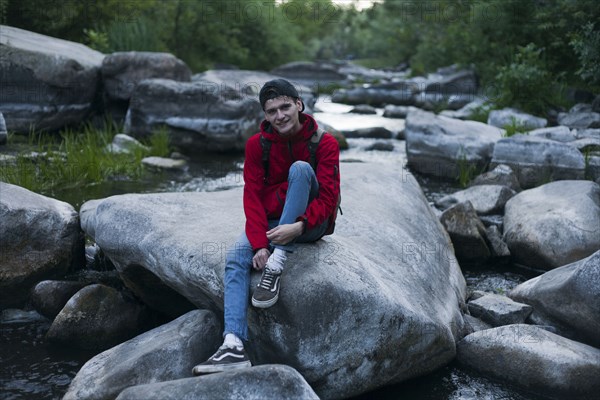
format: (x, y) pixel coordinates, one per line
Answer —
(276, 260)
(232, 340)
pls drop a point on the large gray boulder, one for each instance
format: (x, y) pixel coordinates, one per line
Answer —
(162, 354)
(536, 159)
(258, 383)
(98, 317)
(534, 359)
(46, 83)
(239, 83)
(554, 224)
(580, 120)
(567, 299)
(122, 71)
(196, 118)
(353, 307)
(441, 146)
(376, 95)
(40, 238)
(455, 81)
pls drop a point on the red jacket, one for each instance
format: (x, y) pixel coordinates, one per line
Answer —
(263, 201)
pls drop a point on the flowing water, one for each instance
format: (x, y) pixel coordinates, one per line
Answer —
(33, 369)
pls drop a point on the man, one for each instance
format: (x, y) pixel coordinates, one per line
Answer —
(285, 202)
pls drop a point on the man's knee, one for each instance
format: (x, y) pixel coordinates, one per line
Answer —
(299, 169)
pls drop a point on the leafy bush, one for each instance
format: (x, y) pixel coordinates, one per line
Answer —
(587, 48)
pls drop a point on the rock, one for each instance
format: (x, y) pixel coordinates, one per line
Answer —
(312, 74)
(15, 316)
(556, 133)
(580, 120)
(97, 317)
(39, 239)
(162, 354)
(49, 297)
(501, 175)
(567, 297)
(536, 160)
(534, 359)
(122, 71)
(363, 109)
(509, 116)
(125, 144)
(432, 101)
(195, 117)
(392, 111)
(381, 146)
(586, 144)
(486, 199)
(464, 81)
(467, 111)
(162, 163)
(240, 84)
(376, 95)
(499, 310)
(375, 133)
(588, 133)
(596, 104)
(3, 132)
(473, 324)
(377, 308)
(438, 146)
(47, 83)
(466, 231)
(497, 245)
(554, 224)
(258, 383)
(493, 220)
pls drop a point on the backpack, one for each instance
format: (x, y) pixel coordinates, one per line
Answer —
(313, 144)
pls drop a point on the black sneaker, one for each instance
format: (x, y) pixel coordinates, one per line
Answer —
(225, 359)
(267, 291)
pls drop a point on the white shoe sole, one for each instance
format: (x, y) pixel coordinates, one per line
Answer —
(264, 304)
(211, 369)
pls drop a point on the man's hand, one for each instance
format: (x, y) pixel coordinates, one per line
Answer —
(283, 234)
(260, 259)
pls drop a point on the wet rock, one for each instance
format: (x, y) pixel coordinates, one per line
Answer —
(466, 231)
(97, 317)
(580, 120)
(501, 175)
(363, 109)
(499, 310)
(497, 245)
(40, 239)
(509, 116)
(524, 355)
(162, 354)
(162, 163)
(47, 83)
(536, 160)
(381, 146)
(125, 144)
(375, 133)
(554, 224)
(258, 383)
(196, 118)
(3, 132)
(486, 199)
(49, 297)
(392, 111)
(567, 297)
(438, 145)
(373, 307)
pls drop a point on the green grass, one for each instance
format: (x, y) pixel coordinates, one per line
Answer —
(466, 170)
(77, 158)
(514, 127)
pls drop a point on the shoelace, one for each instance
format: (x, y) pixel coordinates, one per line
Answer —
(266, 280)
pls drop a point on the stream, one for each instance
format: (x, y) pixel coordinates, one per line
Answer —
(33, 369)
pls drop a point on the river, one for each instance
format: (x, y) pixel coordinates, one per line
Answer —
(33, 369)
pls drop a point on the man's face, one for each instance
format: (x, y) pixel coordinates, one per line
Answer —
(282, 113)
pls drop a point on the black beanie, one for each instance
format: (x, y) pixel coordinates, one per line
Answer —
(275, 88)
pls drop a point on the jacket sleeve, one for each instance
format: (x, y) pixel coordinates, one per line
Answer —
(328, 176)
(256, 217)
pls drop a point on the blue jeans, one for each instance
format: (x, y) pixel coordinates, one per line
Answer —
(302, 189)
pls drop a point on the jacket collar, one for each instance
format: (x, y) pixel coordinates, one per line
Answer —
(309, 127)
